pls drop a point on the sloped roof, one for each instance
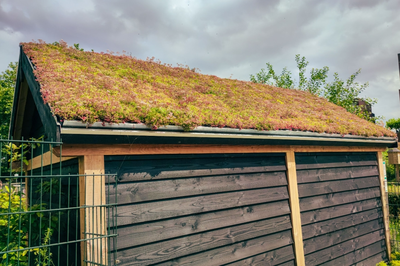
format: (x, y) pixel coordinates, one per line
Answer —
(103, 87)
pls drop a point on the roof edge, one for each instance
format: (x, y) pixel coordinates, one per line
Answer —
(98, 128)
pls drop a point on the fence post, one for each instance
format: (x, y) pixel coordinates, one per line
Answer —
(92, 219)
(295, 208)
(385, 206)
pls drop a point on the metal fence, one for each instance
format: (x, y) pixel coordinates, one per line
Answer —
(394, 215)
(49, 214)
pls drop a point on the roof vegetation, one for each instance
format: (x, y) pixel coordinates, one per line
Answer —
(116, 88)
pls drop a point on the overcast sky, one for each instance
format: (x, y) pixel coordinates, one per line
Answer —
(226, 38)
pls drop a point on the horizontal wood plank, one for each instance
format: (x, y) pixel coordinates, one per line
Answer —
(131, 149)
(137, 213)
(328, 174)
(275, 257)
(367, 256)
(323, 201)
(167, 250)
(135, 235)
(288, 263)
(238, 251)
(314, 216)
(320, 188)
(167, 189)
(45, 159)
(331, 239)
(158, 167)
(373, 260)
(324, 227)
(343, 248)
(334, 160)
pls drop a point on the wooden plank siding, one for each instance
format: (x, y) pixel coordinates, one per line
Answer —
(204, 209)
(341, 208)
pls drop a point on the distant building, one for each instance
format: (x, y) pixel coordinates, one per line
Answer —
(365, 106)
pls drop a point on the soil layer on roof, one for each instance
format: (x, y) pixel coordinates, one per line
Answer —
(113, 88)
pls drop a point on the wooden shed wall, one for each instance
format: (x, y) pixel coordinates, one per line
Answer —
(208, 209)
(341, 210)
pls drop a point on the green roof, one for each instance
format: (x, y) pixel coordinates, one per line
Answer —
(93, 87)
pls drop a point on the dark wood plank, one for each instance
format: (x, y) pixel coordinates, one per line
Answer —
(319, 188)
(135, 235)
(274, 257)
(167, 189)
(179, 247)
(288, 263)
(142, 168)
(325, 227)
(373, 260)
(236, 251)
(343, 248)
(137, 213)
(323, 201)
(369, 255)
(326, 174)
(331, 160)
(331, 239)
(340, 210)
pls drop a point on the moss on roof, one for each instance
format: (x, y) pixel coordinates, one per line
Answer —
(90, 86)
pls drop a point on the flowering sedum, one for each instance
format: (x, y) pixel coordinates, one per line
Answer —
(90, 86)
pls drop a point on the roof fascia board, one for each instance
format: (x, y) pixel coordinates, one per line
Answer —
(218, 137)
(225, 132)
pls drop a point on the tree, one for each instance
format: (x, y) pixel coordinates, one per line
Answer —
(7, 85)
(340, 92)
(285, 80)
(394, 124)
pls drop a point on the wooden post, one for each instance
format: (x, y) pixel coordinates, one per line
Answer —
(295, 208)
(394, 158)
(385, 206)
(92, 219)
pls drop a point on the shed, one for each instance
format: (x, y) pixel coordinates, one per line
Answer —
(210, 171)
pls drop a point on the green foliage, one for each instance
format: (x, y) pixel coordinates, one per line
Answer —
(17, 221)
(14, 228)
(346, 93)
(394, 204)
(76, 45)
(391, 263)
(285, 80)
(44, 253)
(16, 153)
(390, 168)
(7, 84)
(343, 93)
(393, 124)
(394, 260)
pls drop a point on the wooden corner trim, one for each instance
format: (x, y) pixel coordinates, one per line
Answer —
(385, 206)
(295, 208)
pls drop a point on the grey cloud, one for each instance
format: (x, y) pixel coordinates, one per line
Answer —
(225, 37)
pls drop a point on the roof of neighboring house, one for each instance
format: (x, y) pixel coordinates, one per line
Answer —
(108, 88)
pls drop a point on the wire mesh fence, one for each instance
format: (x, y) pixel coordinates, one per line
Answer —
(394, 215)
(49, 213)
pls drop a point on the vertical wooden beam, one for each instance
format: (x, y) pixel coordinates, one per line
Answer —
(295, 208)
(385, 206)
(93, 219)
